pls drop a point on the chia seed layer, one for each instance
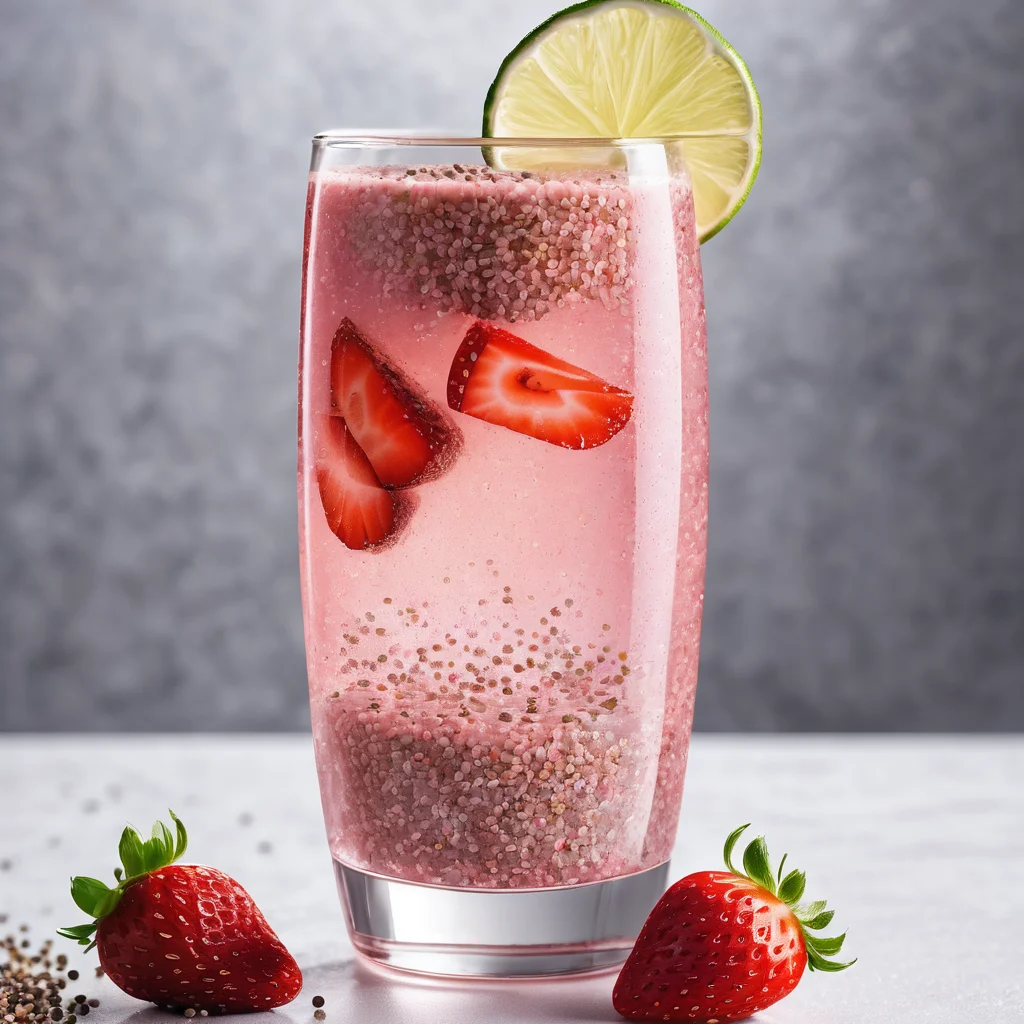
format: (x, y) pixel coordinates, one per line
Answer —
(497, 764)
(495, 244)
(476, 803)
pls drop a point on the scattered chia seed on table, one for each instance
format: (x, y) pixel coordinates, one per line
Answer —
(31, 984)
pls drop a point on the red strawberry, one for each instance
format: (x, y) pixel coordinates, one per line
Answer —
(359, 509)
(401, 433)
(182, 936)
(502, 379)
(721, 946)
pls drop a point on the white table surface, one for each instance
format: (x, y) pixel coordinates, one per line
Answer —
(917, 842)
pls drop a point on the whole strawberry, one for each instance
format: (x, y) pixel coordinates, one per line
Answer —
(180, 935)
(720, 946)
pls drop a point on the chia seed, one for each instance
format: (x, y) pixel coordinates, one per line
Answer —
(30, 984)
(497, 245)
(494, 776)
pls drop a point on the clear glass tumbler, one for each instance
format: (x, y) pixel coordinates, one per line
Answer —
(503, 467)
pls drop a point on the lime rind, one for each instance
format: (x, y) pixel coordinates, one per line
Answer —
(697, 147)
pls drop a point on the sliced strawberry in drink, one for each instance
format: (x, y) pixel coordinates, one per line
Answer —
(402, 435)
(505, 380)
(360, 511)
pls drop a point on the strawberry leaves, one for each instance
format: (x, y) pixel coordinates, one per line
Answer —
(730, 845)
(814, 915)
(138, 857)
(92, 897)
(817, 962)
(756, 864)
(790, 889)
(81, 933)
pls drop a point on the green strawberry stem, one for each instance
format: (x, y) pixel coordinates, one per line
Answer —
(138, 857)
(789, 888)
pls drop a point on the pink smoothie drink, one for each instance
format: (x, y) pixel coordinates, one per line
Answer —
(503, 512)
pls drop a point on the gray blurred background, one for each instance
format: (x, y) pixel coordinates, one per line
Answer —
(867, 365)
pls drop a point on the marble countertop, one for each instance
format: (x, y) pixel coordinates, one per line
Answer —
(913, 840)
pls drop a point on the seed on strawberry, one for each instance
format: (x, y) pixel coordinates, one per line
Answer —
(181, 935)
(722, 946)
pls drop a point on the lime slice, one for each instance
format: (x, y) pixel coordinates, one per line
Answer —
(634, 69)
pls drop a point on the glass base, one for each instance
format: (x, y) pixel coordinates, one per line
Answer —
(497, 933)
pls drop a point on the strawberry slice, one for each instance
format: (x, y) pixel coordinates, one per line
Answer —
(360, 511)
(505, 380)
(400, 433)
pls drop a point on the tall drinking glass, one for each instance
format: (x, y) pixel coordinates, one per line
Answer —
(503, 466)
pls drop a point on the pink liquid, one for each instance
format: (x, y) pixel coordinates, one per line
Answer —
(502, 692)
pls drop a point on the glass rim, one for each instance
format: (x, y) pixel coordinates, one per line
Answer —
(372, 138)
